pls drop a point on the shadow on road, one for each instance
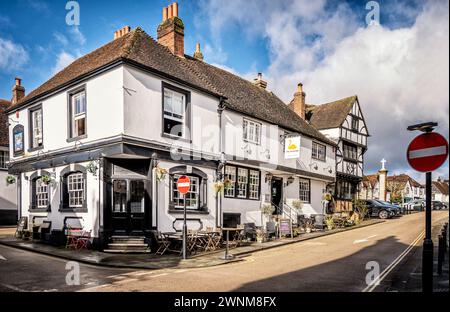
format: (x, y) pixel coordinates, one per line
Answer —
(341, 275)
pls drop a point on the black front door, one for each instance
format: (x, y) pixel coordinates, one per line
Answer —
(277, 194)
(128, 206)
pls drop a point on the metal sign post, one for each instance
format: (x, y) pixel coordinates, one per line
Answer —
(426, 153)
(183, 186)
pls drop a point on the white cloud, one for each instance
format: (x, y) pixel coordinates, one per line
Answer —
(400, 75)
(63, 60)
(60, 38)
(12, 55)
(77, 36)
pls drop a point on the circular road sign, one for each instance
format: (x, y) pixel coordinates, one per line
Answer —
(427, 152)
(183, 184)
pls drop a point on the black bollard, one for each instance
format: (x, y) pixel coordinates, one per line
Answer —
(441, 254)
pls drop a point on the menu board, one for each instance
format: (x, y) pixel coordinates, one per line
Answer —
(285, 227)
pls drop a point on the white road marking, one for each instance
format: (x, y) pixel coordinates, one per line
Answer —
(2, 258)
(371, 287)
(428, 152)
(358, 241)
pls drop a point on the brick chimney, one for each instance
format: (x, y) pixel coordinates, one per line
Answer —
(121, 32)
(298, 104)
(18, 92)
(259, 82)
(171, 30)
(198, 53)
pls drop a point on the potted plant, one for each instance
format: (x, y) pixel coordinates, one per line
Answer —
(219, 186)
(260, 235)
(267, 209)
(329, 222)
(10, 180)
(298, 204)
(160, 174)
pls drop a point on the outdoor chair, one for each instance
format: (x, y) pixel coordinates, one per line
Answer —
(250, 230)
(163, 243)
(271, 229)
(22, 228)
(217, 240)
(77, 238)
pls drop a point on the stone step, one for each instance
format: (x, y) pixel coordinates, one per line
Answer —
(127, 246)
(127, 251)
(127, 237)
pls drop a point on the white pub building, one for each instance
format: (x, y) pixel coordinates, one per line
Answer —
(102, 143)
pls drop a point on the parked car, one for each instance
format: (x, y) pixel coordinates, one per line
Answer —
(438, 205)
(415, 205)
(396, 209)
(380, 210)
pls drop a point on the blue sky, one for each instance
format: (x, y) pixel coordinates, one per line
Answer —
(289, 41)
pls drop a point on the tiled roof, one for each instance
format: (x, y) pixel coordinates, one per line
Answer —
(442, 187)
(139, 48)
(370, 180)
(330, 115)
(4, 131)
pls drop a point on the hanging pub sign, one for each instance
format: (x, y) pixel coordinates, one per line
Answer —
(18, 140)
(292, 147)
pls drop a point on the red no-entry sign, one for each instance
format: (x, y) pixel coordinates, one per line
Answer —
(427, 152)
(183, 184)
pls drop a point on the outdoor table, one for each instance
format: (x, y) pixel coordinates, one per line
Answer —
(208, 239)
(227, 255)
(173, 237)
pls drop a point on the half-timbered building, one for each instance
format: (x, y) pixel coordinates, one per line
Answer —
(343, 122)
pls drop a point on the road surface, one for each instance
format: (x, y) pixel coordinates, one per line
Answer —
(338, 262)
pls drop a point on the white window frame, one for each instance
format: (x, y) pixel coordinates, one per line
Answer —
(251, 131)
(77, 116)
(4, 159)
(193, 194)
(315, 151)
(169, 112)
(75, 189)
(254, 177)
(304, 187)
(230, 173)
(36, 128)
(242, 182)
(42, 194)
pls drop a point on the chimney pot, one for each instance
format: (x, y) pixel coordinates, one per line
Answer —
(121, 32)
(171, 31)
(198, 53)
(18, 91)
(165, 12)
(175, 9)
(260, 82)
(298, 105)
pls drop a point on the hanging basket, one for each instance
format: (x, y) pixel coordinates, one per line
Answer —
(160, 174)
(92, 168)
(46, 179)
(10, 180)
(219, 186)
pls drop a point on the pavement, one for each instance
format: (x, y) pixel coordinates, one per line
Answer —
(152, 261)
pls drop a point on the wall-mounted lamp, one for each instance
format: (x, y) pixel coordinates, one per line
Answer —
(314, 165)
(247, 149)
(266, 154)
(330, 169)
(290, 180)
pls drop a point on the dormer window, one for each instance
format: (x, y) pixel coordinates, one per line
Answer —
(77, 114)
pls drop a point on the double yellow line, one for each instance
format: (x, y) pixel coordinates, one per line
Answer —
(371, 287)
